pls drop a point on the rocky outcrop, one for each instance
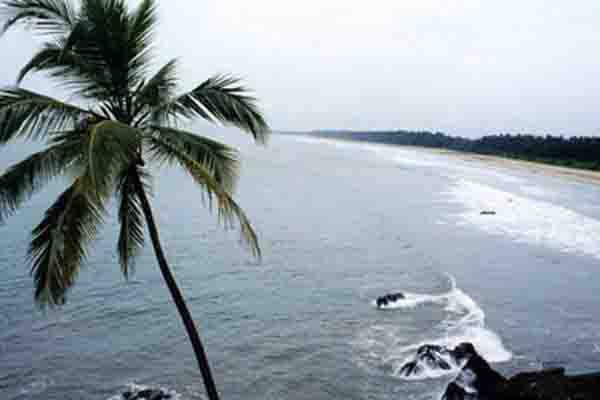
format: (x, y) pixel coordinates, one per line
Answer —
(437, 360)
(550, 384)
(389, 298)
(429, 357)
(478, 381)
(146, 394)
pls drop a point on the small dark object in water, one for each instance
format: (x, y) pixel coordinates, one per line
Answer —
(389, 298)
(147, 394)
(488, 212)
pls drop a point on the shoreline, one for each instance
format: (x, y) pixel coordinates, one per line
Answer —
(574, 174)
(580, 175)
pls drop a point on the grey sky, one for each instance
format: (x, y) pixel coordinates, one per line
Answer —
(465, 67)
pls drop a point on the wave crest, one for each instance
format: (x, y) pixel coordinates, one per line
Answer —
(464, 322)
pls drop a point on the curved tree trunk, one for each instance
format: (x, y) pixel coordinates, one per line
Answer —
(186, 317)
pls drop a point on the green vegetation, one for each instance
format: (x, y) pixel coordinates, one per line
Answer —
(574, 152)
(122, 119)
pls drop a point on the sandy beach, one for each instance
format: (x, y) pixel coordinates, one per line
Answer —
(581, 175)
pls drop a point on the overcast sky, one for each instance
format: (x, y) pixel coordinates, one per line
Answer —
(465, 67)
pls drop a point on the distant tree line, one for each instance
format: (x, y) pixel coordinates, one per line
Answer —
(578, 152)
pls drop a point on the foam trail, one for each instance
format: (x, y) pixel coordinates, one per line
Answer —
(410, 300)
(465, 322)
(468, 327)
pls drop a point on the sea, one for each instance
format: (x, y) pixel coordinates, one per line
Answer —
(340, 224)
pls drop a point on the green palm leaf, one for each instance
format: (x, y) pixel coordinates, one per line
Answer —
(46, 16)
(59, 243)
(106, 39)
(228, 210)
(158, 90)
(131, 218)
(86, 76)
(31, 115)
(100, 52)
(142, 23)
(219, 160)
(25, 178)
(110, 147)
(219, 99)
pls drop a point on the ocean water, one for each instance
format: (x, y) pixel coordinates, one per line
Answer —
(339, 224)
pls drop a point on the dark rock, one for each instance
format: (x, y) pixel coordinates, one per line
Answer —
(159, 395)
(147, 394)
(381, 301)
(476, 381)
(391, 297)
(397, 296)
(433, 353)
(431, 357)
(411, 368)
(463, 351)
(484, 376)
(144, 394)
(549, 385)
(456, 392)
(438, 358)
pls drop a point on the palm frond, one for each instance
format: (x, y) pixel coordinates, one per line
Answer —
(31, 115)
(159, 89)
(25, 178)
(131, 217)
(110, 147)
(82, 74)
(106, 39)
(46, 16)
(47, 58)
(229, 212)
(142, 23)
(59, 243)
(218, 99)
(219, 160)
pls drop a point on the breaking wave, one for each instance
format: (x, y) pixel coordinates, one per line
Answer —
(464, 321)
(527, 220)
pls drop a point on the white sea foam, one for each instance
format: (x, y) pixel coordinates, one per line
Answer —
(410, 300)
(527, 220)
(464, 322)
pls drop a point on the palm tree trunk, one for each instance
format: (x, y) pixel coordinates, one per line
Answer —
(186, 317)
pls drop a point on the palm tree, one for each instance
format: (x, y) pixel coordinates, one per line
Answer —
(100, 52)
